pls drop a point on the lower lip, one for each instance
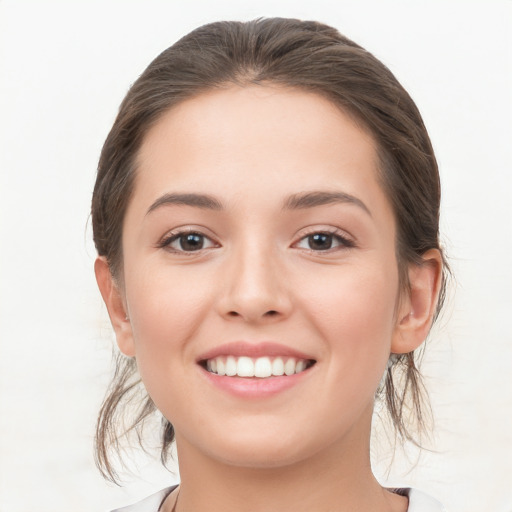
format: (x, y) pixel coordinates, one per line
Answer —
(254, 387)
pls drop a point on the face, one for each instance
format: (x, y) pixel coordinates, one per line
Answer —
(260, 275)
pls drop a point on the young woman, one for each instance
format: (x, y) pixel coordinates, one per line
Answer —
(266, 218)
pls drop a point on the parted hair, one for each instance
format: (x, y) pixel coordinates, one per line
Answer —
(309, 56)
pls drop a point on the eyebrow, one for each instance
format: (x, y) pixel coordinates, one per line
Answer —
(203, 201)
(300, 201)
(321, 198)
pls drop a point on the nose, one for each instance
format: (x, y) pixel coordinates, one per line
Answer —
(254, 287)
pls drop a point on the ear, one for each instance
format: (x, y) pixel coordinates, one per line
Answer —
(116, 307)
(417, 307)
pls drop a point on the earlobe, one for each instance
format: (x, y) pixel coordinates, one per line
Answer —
(116, 307)
(417, 310)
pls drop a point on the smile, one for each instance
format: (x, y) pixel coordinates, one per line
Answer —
(260, 367)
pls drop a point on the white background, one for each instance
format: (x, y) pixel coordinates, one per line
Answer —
(64, 68)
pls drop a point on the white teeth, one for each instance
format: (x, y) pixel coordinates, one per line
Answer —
(289, 366)
(245, 367)
(300, 366)
(221, 367)
(278, 366)
(231, 368)
(261, 367)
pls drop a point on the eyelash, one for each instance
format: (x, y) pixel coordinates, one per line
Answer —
(336, 235)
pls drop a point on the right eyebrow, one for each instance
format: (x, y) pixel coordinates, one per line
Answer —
(198, 200)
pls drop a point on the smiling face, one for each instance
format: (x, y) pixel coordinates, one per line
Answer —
(258, 241)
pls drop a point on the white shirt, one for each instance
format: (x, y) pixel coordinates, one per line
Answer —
(418, 502)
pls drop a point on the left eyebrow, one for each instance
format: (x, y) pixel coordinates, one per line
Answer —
(321, 198)
(197, 200)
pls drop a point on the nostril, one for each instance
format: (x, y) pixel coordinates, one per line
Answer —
(250, 316)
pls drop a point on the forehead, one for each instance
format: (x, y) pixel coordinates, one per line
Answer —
(256, 132)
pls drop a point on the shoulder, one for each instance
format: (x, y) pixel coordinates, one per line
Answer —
(150, 504)
(420, 502)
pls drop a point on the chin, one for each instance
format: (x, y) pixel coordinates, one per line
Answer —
(262, 447)
(268, 458)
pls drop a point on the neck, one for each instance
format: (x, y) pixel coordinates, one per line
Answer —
(337, 479)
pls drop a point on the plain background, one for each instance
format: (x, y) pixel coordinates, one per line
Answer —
(64, 68)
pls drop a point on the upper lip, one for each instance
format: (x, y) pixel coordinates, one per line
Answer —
(260, 349)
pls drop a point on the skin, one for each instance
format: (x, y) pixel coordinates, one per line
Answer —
(258, 279)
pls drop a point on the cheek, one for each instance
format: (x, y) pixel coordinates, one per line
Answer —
(165, 311)
(355, 313)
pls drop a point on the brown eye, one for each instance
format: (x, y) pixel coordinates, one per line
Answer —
(322, 241)
(188, 242)
(191, 242)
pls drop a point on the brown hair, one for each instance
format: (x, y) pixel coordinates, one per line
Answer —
(292, 53)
